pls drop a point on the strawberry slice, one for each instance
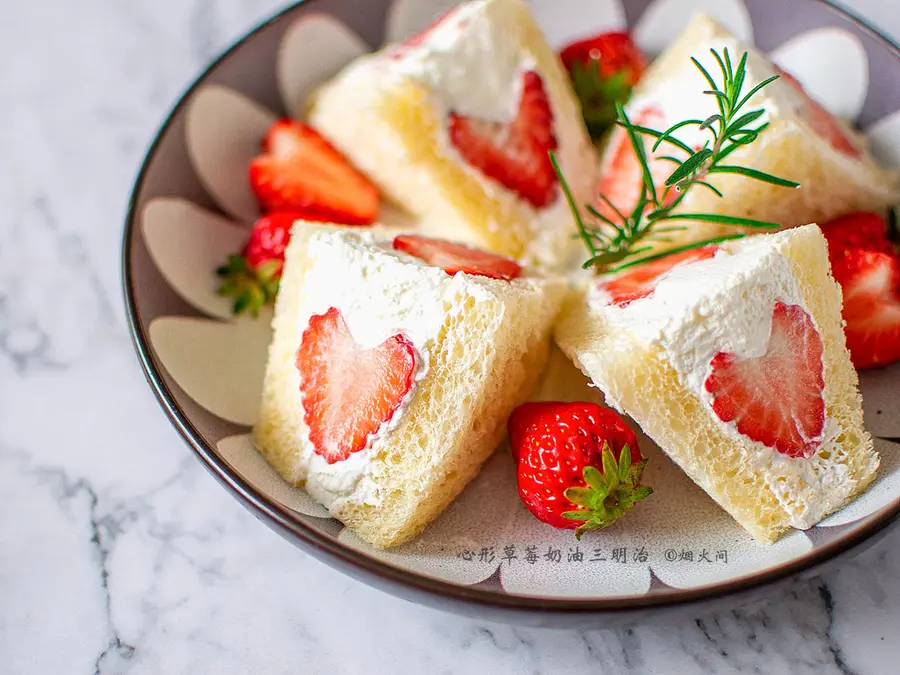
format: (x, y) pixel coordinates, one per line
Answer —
(871, 284)
(514, 154)
(622, 179)
(640, 281)
(301, 171)
(866, 265)
(775, 399)
(349, 392)
(455, 257)
(821, 121)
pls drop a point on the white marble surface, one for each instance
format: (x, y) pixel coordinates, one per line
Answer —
(118, 553)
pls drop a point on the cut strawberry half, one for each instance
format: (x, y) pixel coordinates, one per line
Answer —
(453, 257)
(856, 230)
(640, 281)
(622, 179)
(821, 121)
(514, 154)
(775, 399)
(349, 392)
(871, 285)
(867, 266)
(301, 171)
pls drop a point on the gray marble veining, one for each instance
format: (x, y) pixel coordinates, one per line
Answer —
(118, 553)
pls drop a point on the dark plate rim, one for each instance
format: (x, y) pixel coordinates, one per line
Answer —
(281, 519)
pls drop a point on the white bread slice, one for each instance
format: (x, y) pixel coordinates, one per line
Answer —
(651, 357)
(388, 113)
(484, 343)
(833, 183)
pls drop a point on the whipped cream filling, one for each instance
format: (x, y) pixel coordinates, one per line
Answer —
(380, 293)
(724, 304)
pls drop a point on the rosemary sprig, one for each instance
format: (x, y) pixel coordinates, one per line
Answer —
(617, 242)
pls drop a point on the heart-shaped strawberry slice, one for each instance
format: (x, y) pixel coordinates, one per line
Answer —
(348, 392)
(514, 154)
(776, 398)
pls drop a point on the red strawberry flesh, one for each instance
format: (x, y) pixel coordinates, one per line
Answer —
(514, 154)
(454, 257)
(777, 398)
(349, 392)
(614, 53)
(871, 282)
(640, 281)
(301, 171)
(622, 179)
(269, 237)
(866, 265)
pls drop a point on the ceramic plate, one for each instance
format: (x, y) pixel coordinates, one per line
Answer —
(192, 205)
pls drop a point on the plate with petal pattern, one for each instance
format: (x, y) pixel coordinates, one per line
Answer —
(192, 205)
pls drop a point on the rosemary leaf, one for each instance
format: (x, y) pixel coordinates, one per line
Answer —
(742, 121)
(754, 174)
(710, 186)
(573, 207)
(613, 207)
(594, 212)
(670, 228)
(739, 76)
(668, 132)
(690, 165)
(726, 76)
(637, 145)
(656, 134)
(755, 89)
(678, 249)
(724, 220)
(744, 137)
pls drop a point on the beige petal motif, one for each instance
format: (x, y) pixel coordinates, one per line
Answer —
(566, 21)
(884, 139)
(217, 113)
(664, 19)
(312, 50)
(832, 66)
(219, 365)
(187, 244)
(880, 390)
(408, 17)
(476, 520)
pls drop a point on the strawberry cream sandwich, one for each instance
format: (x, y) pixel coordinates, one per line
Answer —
(393, 368)
(456, 125)
(733, 359)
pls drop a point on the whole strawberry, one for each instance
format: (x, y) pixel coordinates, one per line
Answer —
(603, 70)
(252, 277)
(578, 464)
